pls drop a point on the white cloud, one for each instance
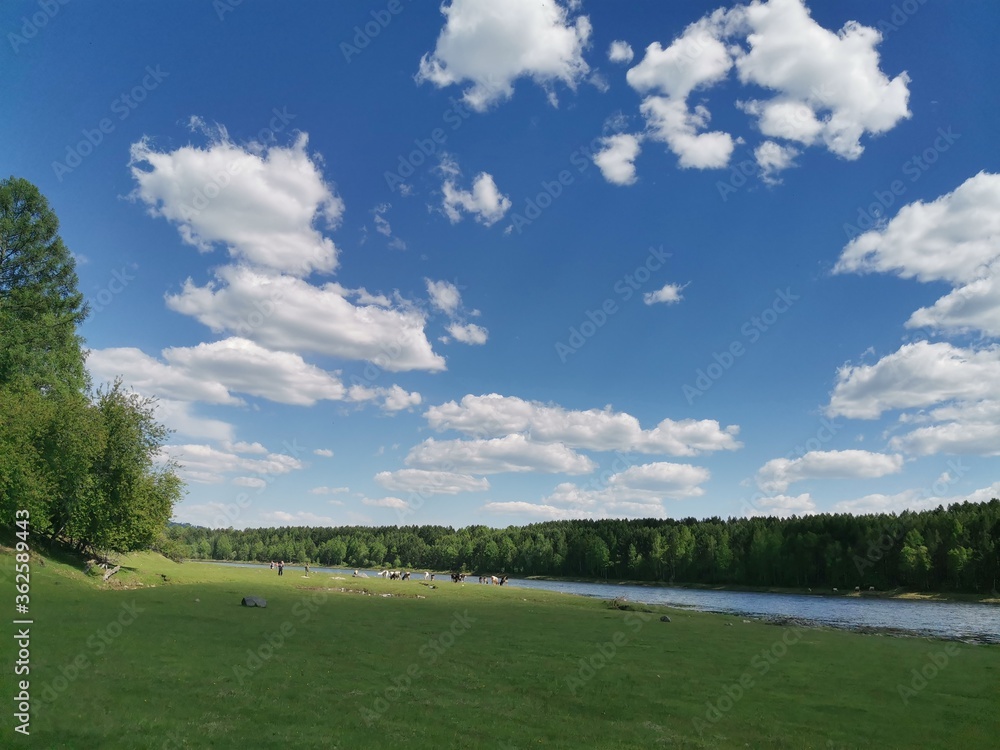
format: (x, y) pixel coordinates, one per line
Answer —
(773, 158)
(956, 239)
(494, 415)
(431, 482)
(386, 502)
(670, 121)
(490, 45)
(620, 52)
(325, 452)
(784, 506)
(212, 372)
(669, 294)
(261, 202)
(444, 296)
(836, 75)
(827, 86)
(541, 512)
(512, 453)
(469, 333)
(208, 465)
(485, 201)
(397, 399)
(616, 158)
(255, 482)
(299, 518)
(180, 416)
(916, 375)
(289, 314)
(778, 473)
(244, 447)
(329, 490)
(662, 478)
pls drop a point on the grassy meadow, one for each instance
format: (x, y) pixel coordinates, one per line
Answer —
(164, 656)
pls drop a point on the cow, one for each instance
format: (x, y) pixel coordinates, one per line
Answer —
(494, 580)
(427, 575)
(503, 580)
(406, 576)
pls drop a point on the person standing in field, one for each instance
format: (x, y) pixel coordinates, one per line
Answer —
(281, 567)
(307, 569)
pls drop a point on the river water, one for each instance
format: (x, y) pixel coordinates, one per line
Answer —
(952, 620)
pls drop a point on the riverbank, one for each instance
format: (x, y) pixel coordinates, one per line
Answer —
(334, 661)
(903, 594)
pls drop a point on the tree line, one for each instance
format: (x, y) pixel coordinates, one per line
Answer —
(83, 463)
(946, 549)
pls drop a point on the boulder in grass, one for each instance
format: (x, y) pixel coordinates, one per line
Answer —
(664, 619)
(254, 601)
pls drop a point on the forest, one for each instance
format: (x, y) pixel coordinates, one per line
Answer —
(945, 549)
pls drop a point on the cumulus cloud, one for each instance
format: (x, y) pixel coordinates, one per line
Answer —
(616, 158)
(773, 158)
(329, 490)
(396, 398)
(445, 296)
(485, 202)
(620, 52)
(261, 202)
(784, 506)
(828, 86)
(469, 333)
(512, 453)
(386, 502)
(952, 239)
(212, 372)
(777, 474)
(285, 313)
(428, 482)
(535, 510)
(494, 415)
(205, 464)
(916, 375)
(324, 452)
(669, 294)
(300, 518)
(491, 45)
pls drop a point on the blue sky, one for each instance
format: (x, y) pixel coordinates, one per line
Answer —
(505, 262)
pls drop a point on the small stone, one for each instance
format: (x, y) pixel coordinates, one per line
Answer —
(664, 619)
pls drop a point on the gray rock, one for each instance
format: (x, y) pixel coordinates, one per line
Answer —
(254, 601)
(664, 619)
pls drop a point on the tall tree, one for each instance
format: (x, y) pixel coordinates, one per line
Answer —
(40, 306)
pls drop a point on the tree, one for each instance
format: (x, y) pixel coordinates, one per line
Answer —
(133, 496)
(40, 306)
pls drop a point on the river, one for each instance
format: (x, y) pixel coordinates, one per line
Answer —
(967, 621)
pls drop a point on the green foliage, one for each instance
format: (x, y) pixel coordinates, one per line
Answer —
(85, 468)
(40, 306)
(957, 549)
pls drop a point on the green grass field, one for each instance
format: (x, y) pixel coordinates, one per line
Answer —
(167, 658)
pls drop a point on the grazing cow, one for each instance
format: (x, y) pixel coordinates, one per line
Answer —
(494, 580)
(427, 575)
(383, 573)
(857, 589)
(503, 580)
(458, 577)
(406, 576)
(871, 588)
